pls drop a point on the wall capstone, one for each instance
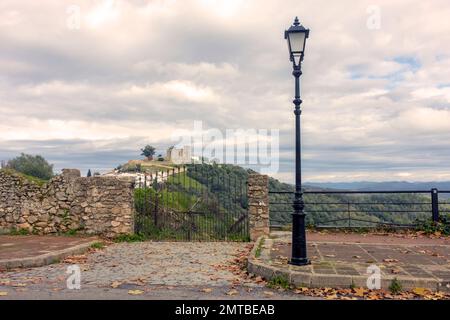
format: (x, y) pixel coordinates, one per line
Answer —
(258, 202)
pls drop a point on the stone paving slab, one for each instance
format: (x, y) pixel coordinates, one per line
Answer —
(414, 262)
(35, 251)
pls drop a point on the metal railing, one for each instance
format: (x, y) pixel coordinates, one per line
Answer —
(353, 209)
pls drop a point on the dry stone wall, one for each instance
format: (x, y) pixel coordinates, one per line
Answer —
(95, 205)
(258, 205)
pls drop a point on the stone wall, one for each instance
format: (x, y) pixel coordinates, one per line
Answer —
(95, 205)
(258, 202)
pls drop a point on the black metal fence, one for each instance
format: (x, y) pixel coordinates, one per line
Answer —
(353, 209)
(195, 202)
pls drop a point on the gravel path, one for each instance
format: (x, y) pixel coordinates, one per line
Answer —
(161, 270)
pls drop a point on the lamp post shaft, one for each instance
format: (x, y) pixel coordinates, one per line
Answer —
(299, 255)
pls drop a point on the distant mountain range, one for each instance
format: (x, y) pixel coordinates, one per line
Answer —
(385, 185)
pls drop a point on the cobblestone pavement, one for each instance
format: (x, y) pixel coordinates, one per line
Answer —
(160, 270)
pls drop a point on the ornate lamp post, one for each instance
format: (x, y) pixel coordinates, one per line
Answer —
(296, 38)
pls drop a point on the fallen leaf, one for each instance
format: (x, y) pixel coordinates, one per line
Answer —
(357, 257)
(3, 293)
(232, 293)
(19, 285)
(301, 290)
(420, 291)
(268, 293)
(115, 284)
(207, 290)
(331, 297)
(359, 292)
(330, 255)
(390, 260)
(135, 292)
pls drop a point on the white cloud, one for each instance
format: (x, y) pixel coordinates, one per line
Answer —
(376, 102)
(175, 89)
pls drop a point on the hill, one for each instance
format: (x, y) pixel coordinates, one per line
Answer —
(321, 208)
(385, 185)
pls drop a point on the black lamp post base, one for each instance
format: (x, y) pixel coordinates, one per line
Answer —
(300, 262)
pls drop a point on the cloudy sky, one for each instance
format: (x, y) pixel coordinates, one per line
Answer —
(86, 83)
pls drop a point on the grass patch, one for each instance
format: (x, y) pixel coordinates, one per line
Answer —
(185, 181)
(19, 232)
(259, 248)
(395, 287)
(136, 237)
(278, 282)
(238, 238)
(97, 245)
(38, 181)
(70, 233)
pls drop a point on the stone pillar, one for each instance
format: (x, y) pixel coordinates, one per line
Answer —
(258, 205)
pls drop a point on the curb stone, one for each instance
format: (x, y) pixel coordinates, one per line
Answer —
(261, 266)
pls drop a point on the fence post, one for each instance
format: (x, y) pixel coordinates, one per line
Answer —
(435, 204)
(258, 205)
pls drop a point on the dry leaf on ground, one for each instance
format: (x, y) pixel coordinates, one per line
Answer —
(420, 291)
(232, 293)
(135, 292)
(359, 292)
(207, 290)
(3, 293)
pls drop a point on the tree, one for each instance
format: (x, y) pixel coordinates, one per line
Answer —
(89, 174)
(148, 151)
(35, 166)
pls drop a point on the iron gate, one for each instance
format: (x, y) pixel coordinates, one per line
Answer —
(195, 202)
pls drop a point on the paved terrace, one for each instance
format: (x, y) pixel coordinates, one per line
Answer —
(340, 260)
(33, 251)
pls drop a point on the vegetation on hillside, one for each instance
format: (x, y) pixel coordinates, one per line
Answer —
(195, 202)
(224, 187)
(32, 166)
(35, 180)
(148, 151)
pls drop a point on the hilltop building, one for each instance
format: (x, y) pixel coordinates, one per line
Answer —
(179, 156)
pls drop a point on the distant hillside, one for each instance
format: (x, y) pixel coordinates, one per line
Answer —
(396, 208)
(386, 185)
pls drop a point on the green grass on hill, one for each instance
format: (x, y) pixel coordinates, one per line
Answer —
(32, 179)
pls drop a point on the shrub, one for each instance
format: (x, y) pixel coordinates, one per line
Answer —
(395, 286)
(35, 166)
(431, 227)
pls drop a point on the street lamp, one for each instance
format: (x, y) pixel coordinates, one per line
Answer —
(296, 38)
